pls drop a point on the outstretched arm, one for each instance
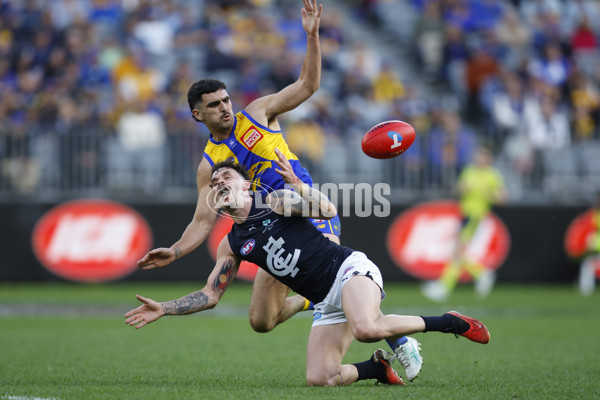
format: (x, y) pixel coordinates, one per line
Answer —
(266, 109)
(197, 230)
(222, 275)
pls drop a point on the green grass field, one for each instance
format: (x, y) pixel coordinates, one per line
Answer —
(68, 341)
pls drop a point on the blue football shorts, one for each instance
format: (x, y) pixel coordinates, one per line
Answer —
(333, 225)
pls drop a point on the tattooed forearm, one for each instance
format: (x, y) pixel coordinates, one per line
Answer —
(309, 202)
(320, 204)
(191, 303)
(297, 204)
(304, 201)
(224, 278)
(177, 251)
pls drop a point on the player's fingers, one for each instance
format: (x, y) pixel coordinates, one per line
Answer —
(320, 10)
(142, 260)
(142, 299)
(130, 313)
(279, 163)
(149, 266)
(282, 160)
(134, 318)
(284, 173)
(141, 325)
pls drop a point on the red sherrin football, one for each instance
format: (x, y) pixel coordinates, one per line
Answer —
(388, 139)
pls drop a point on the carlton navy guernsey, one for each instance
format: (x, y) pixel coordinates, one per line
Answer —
(290, 249)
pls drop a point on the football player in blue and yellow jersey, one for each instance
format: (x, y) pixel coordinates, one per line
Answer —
(250, 137)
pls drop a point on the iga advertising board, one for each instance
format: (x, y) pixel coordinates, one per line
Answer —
(582, 236)
(422, 239)
(91, 240)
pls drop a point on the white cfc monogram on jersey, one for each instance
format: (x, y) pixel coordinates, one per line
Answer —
(277, 264)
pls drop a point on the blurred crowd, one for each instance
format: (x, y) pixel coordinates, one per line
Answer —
(524, 75)
(93, 92)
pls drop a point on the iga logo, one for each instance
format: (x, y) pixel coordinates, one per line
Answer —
(91, 240)
(422, 239)
(581, 236)
(251, 137)
(248, 246)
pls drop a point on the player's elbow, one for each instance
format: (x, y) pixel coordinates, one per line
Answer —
(212, 300)
(313, 86)
(211, 305)
(328, 212)
(309, 86)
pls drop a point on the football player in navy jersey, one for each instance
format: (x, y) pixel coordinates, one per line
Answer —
(346, 287)
(249, 137)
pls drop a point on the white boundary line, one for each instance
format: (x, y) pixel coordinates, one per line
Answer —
(11, 397)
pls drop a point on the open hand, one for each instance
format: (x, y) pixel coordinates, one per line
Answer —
(157, 258)
(148, 312)
(311, 15)
(286, 171)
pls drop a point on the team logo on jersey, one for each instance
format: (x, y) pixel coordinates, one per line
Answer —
(277, 264)
(251, 137)
(248, 246)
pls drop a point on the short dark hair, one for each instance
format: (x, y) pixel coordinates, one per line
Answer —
(201, 87)
(230, 163)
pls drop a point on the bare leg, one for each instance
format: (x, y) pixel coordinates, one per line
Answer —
(587, 276)
(332, 237)
(361, 298)
(327, 345)
(270, 304)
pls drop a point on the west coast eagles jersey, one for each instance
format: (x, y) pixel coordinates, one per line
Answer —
(253, 146)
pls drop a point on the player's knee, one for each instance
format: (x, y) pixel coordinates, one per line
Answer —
(367, 333)
(261, 324)
(316, 379)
